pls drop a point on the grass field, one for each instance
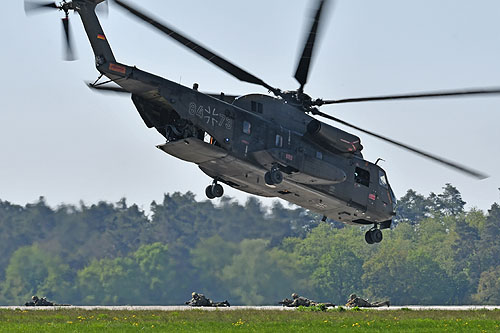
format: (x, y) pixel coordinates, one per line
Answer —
(77, 320)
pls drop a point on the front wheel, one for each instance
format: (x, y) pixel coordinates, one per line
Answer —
(217, 190)
(267, 178)
(209, 193)
(276, 177)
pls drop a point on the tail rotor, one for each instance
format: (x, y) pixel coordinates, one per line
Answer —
(34, 7)
(31, 8)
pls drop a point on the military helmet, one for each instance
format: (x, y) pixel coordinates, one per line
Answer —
(353, 296)
(193, 294)
(295, 295)
(34, 297)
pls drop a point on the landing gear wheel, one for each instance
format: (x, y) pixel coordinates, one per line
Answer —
(368, 237)
(209, 193)
(377, 235)
(217, 190)
(373, 236)
(267, 178)
(214, 191)
(276, 177)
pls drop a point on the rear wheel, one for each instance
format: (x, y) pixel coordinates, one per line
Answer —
(377, 235)
(368, 237)
(373, 236)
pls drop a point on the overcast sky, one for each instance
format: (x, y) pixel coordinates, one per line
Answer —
(60, 140)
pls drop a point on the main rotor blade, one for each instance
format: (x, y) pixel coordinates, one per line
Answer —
(69, 55)
(33, 7)
(200, 50)
(305, 60)
(456, 166)
(422, 95)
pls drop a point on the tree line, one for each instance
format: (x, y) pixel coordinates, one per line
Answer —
(115, 253)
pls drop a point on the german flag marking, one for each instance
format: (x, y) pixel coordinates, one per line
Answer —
(102, 37)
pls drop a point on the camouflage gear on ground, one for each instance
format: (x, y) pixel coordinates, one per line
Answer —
(222, 304)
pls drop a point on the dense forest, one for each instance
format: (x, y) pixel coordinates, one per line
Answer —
(114, 253)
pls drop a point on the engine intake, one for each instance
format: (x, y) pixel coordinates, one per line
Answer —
(331, 137)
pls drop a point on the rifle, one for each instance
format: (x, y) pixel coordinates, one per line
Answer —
(286, 302)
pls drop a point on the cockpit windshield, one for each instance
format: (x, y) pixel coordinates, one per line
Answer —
(382, 179)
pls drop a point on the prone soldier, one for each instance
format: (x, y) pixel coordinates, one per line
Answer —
(36, 301)
(301, 301)
(297, 301)
(200, 300)
(354, 301)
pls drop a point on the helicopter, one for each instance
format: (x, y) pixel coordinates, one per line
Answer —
(268, 145)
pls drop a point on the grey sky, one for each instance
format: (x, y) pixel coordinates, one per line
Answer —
(61, 140)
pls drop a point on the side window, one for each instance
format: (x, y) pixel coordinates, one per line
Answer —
(319, 155)
(257, 107)
(362, 176)
(279, 141)
(247, 127)
(254, 106)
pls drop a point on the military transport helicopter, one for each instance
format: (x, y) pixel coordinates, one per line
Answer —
(265, 145)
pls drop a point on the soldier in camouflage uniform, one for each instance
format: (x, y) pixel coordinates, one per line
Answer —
(199, 300)
(297, 301)
(301, 301)
(35, 301)
(354, 301)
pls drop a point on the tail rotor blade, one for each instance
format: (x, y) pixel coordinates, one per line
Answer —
(69, 54)
(34, 7)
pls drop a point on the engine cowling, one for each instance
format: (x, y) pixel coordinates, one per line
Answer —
(331, 137)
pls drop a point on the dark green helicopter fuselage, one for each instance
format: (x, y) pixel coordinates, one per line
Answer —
(236, 141)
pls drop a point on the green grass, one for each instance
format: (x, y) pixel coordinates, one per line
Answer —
(76, 320)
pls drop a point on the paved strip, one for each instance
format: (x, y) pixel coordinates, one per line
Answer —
(232, 308)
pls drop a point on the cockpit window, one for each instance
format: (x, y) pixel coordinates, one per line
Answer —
(382, 179)
(362, 177)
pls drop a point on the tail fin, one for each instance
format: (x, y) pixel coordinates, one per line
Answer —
(98, 41)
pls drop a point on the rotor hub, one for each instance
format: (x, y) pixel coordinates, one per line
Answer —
(298, 99)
